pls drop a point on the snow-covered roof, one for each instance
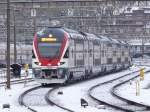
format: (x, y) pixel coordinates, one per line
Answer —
(131, 9)
(138, 42)
(104, 38)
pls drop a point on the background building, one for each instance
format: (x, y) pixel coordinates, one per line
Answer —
(117, 19)
(23, 53)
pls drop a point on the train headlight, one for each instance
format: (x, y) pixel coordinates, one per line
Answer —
(58, 63)
(50, 35)
(40, 63)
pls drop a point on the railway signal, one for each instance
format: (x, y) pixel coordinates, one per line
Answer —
(142, 74)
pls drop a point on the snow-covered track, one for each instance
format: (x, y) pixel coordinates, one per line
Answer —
(114, 92)
(103, 93)
(21, 98)
(58, 104)
(49, 101)
(18, 81)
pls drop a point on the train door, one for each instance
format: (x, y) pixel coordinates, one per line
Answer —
(105, 56)
(86, 61)
(71, 53)
(96, 57)
(90, 56)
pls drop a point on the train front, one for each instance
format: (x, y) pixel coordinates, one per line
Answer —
(48, 63)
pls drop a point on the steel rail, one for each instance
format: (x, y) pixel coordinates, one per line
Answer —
(17, 81)
(21, 97)
(125, 99)
(109, 104)
(49, 101)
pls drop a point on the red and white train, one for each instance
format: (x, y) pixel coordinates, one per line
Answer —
(61, 55)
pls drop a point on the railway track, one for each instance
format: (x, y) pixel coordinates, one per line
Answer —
(36, 97)
(114, 92)
(51, 101)
(17, 81)
(104, 93)
(44, 93)
(21, 98)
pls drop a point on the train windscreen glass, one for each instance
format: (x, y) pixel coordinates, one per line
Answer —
(49, 50)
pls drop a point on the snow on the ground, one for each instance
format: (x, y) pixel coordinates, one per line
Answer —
(72, 94)
(10, 96)
(128, 90)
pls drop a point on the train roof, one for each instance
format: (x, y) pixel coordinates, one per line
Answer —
(114, 41)
(122, 42)
(88, 36)
(105, 39)
(91, 36)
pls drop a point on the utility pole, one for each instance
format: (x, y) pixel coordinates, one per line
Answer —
(15, 52)
(8, 44)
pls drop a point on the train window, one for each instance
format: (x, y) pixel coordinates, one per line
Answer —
(90, 52)
(114, 53)
(66, 53)
(85, 52)
(33, 55)
(97, 61)
(109, 45)
(126, 59)
(109, 60)
(122, 53)
(72, 53)
(119, 60)
(103, 54)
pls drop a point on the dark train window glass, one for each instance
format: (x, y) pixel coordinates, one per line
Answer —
(49, 50)
(90, 52)
(80, 62)
(33, 55)
(103, 54)
(126, 59)
(109, 60)
(122, 53)
(109, 45)
(66, 53)
(72, 53)
(119, 60)
(114, 53)
(97, 61)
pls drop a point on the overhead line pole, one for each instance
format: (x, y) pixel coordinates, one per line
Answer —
(15, 51)
(8, 45)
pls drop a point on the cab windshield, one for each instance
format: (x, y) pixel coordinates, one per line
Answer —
(49, 50)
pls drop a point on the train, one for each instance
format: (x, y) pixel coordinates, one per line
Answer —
(62, 55)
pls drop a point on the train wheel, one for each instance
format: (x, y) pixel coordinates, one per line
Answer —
(43, 84)
(65, 83)
(71, 76)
